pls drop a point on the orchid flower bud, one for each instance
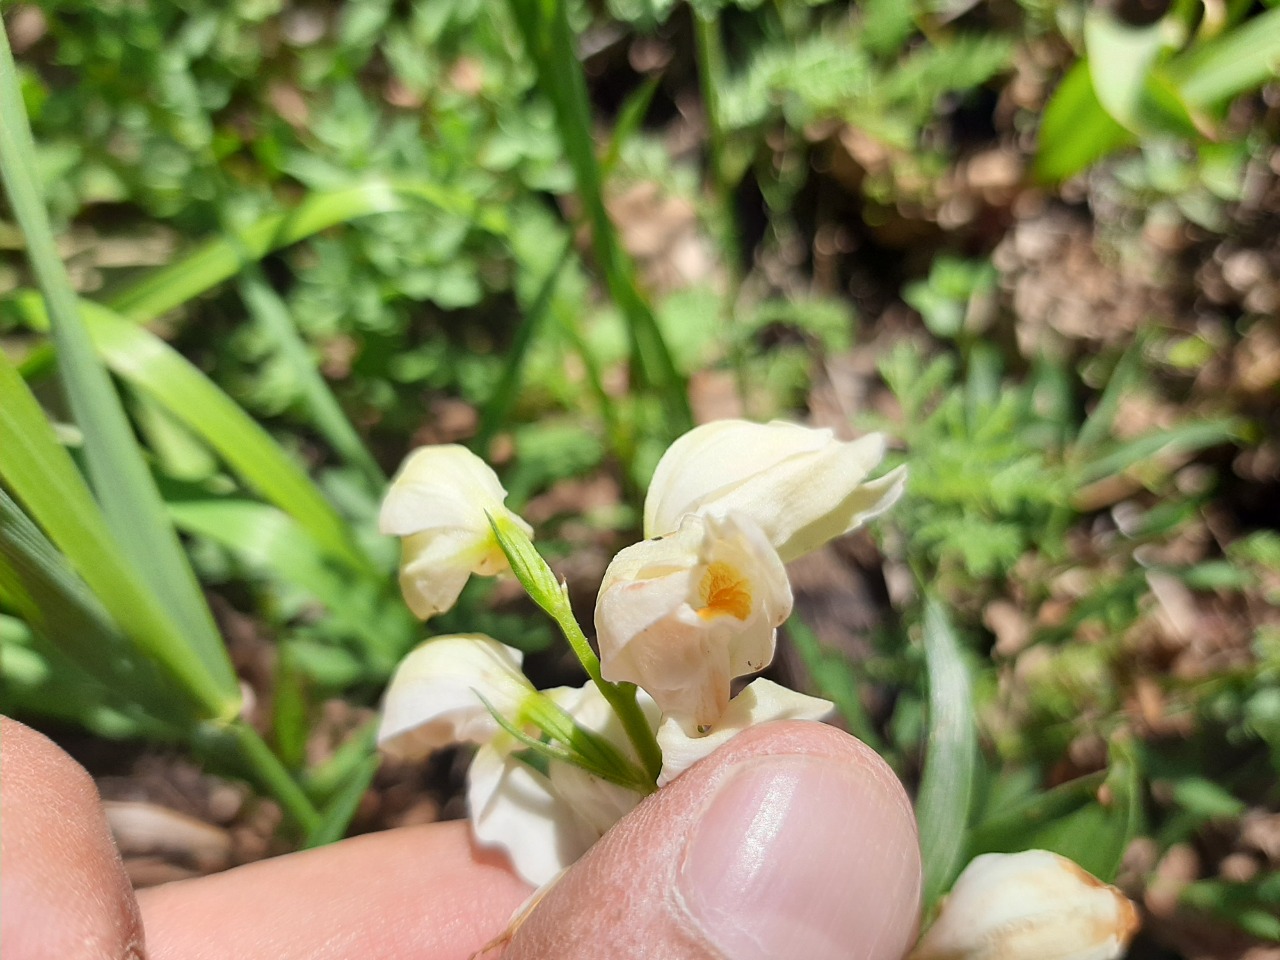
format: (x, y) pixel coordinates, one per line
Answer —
(440, 503)
(800, 485)
(434, 698)
(761, 701)
(1030, 904)
(682, 615)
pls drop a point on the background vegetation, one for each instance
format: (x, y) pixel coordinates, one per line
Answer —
(259, 249)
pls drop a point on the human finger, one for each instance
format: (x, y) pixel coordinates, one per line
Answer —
(63, 887)
(793, 840)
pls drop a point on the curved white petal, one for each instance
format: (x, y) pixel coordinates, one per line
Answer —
(434, 696)
(761, 701)
(440, 502)
(800, 485)
(1029, 904)
(514, 807)
(682, 615)
(546, 822)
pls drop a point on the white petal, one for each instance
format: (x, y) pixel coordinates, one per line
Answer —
(440, 502)
(682, 615)
(761, 701)
(434, 568)
(514, 808)
(434, 696)
(1030, 904)
(800, 485)
(439, 486)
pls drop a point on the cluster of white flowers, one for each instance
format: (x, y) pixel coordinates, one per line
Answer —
(681, 614)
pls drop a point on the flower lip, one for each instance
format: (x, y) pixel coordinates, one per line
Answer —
(725, 591)
(682, 615)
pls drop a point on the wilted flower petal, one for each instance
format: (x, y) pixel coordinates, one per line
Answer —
(800, 485)
(1030, 904)
(547, 822)
(683, 615)
(438, 503)
(761, 701)
(434, 697)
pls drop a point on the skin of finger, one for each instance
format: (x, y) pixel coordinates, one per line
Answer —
(426, 893)
(63, 888)
(620, 899)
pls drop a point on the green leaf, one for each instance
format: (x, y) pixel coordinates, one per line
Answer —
(130, 503)
(165, 376)
(36, 581)
(835, 679)
(1184, 438)
(43, 478)
(271, 542)
(951, 755)
(1075, 130)
(335, 818)
(218, 260)
(322, 406)
(1243, 58)
(550, 44)
(1072, 819)
(1122, 63)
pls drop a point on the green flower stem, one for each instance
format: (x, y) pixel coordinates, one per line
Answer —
(552, 596)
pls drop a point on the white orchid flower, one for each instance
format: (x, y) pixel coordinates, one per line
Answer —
(439, 504)
(434, 698)
(682, 615)
(800, 485)
(761, 701)
(1030, 904)
(544, 821)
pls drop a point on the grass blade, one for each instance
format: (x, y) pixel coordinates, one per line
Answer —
(335, 817)
(161, 373)
(946, 784)
(55, 603)
(272, 543)
(219, 260)
(549, 42)
(130, 502)
(43, 478)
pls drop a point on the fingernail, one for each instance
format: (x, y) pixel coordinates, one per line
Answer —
(800, 857)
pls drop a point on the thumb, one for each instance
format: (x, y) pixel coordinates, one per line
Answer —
(792, 840)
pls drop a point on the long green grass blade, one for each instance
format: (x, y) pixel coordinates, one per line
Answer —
(271, 543)
(946, 784)
(1075, 129)
(161, 373)
(335, 817)
(44, 479)
(121, 481)
(55, 603)
(1243, 58)
(219, 260)
(549, 42)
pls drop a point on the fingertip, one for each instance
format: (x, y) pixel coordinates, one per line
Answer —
(64, 889)
(794, 839)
